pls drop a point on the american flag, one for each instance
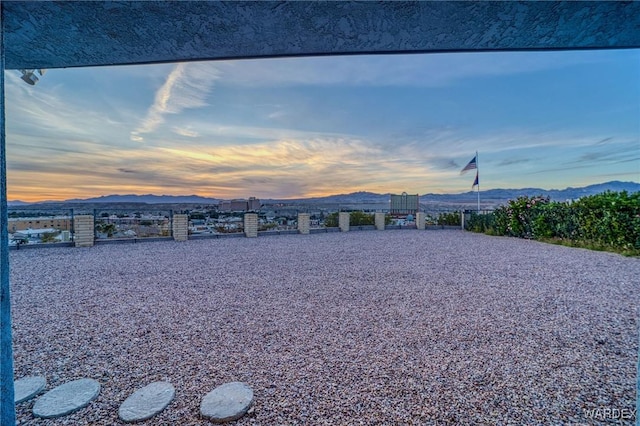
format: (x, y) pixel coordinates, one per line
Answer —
(472, 165)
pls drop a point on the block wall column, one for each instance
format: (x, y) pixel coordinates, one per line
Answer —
(464, 219)
(304, 223)
(421, 218)
(180, 227)
(379, 221)
(250, 225)
(84, 230)
(343, 221)
(7, 404)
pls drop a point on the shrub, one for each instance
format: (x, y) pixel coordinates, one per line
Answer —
(361, 218)
(610, 219)
(521, 214)
(481, 223)
(356, 218)
(49, 237)
(449, 219)
(331, 221)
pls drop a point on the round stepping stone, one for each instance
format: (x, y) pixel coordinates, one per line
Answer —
(146, 402)
(66, 398)
(227, 402)
(28, 387)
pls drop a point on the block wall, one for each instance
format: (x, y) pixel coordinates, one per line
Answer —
(180, 227)
(304, 223)
(250, 225)
(421, 218)
(84, 230)
(379, 221)
(343, 221)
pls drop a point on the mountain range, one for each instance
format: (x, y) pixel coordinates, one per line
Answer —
(494, 195)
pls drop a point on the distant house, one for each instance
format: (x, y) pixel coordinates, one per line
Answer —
(32, 235)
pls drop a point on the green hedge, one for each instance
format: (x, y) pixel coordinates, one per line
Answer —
(482, 223)
(610, 220)
(449, 219)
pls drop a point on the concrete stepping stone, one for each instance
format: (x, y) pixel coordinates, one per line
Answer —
(227, 402)
(28, 387)
(146, 402)
(66, 398)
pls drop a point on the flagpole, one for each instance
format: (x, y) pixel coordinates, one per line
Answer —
(478, 175)
(473, 164)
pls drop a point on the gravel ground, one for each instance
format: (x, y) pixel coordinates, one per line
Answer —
(394, 327)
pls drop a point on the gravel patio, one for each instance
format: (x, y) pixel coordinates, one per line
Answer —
(371, 327)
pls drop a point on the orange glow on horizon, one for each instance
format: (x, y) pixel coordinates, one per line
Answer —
(38, 197)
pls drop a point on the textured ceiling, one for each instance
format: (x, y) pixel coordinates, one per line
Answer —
(71, 34)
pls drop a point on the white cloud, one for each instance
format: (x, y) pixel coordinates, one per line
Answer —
(38, 109)
(276, 115)
(188, 132)
(187, 86)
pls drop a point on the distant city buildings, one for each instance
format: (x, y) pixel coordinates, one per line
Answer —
(60, 223)
(241, 205)
(28, 230)
(404, 204)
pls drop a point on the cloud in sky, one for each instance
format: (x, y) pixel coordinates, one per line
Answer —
(187, 86)
(313, 165)
(185, 131)
(35, 112)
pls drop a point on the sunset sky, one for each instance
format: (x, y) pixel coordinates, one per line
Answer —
(301, 127)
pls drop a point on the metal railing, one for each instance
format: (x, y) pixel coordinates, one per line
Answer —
(146, 224)
(36, 227)
(132, 224)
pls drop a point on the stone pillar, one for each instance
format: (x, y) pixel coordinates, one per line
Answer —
(304, 223)
(343, 221)
(180, 227)
(84, 230)
(379, 220)
(250, 225)
(421, 218)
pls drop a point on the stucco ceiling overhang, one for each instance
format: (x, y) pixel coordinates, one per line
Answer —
(78, 34)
